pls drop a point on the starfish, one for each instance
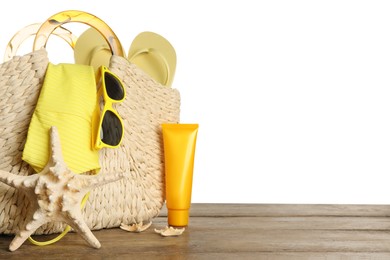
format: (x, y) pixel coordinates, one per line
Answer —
(55, 194)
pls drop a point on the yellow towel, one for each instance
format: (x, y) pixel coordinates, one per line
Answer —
(67, 101)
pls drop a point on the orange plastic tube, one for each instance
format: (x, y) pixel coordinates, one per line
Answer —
(179, 153)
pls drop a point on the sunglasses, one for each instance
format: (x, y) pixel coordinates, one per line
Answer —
(110, 129)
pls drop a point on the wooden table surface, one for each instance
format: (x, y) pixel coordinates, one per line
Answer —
(238, 231)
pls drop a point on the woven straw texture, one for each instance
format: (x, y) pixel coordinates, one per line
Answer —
(136, 198)
(20, 81)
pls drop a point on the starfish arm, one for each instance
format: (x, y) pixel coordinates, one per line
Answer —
(76, 221)
(17, 181)
(93, 181)
(22, 235)
(55, 147)
(56, 163)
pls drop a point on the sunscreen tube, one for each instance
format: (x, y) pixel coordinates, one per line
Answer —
(179, 152)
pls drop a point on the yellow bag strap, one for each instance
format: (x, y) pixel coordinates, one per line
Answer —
(41, 38)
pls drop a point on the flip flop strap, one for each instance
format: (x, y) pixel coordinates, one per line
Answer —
(162, 57)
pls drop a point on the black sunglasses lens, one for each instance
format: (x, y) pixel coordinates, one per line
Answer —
(114, 87)
(111, 132)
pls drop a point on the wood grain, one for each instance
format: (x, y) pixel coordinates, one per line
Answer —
(239, 231)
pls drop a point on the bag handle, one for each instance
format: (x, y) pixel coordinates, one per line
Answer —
(61, 18)
(31, 30)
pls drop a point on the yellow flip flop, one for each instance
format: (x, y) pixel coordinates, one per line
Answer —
(92, 49)
(149, 51)
(155, 55)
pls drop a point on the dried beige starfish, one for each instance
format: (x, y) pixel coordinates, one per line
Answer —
(55, 194)
(136, 228)
(170, 231)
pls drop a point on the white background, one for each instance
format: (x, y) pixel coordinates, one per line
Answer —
(292, 97)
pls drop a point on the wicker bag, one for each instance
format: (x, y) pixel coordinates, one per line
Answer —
(138, 197)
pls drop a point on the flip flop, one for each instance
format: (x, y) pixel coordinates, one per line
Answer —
(149, 51)
(92, 49)
(155, 55)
